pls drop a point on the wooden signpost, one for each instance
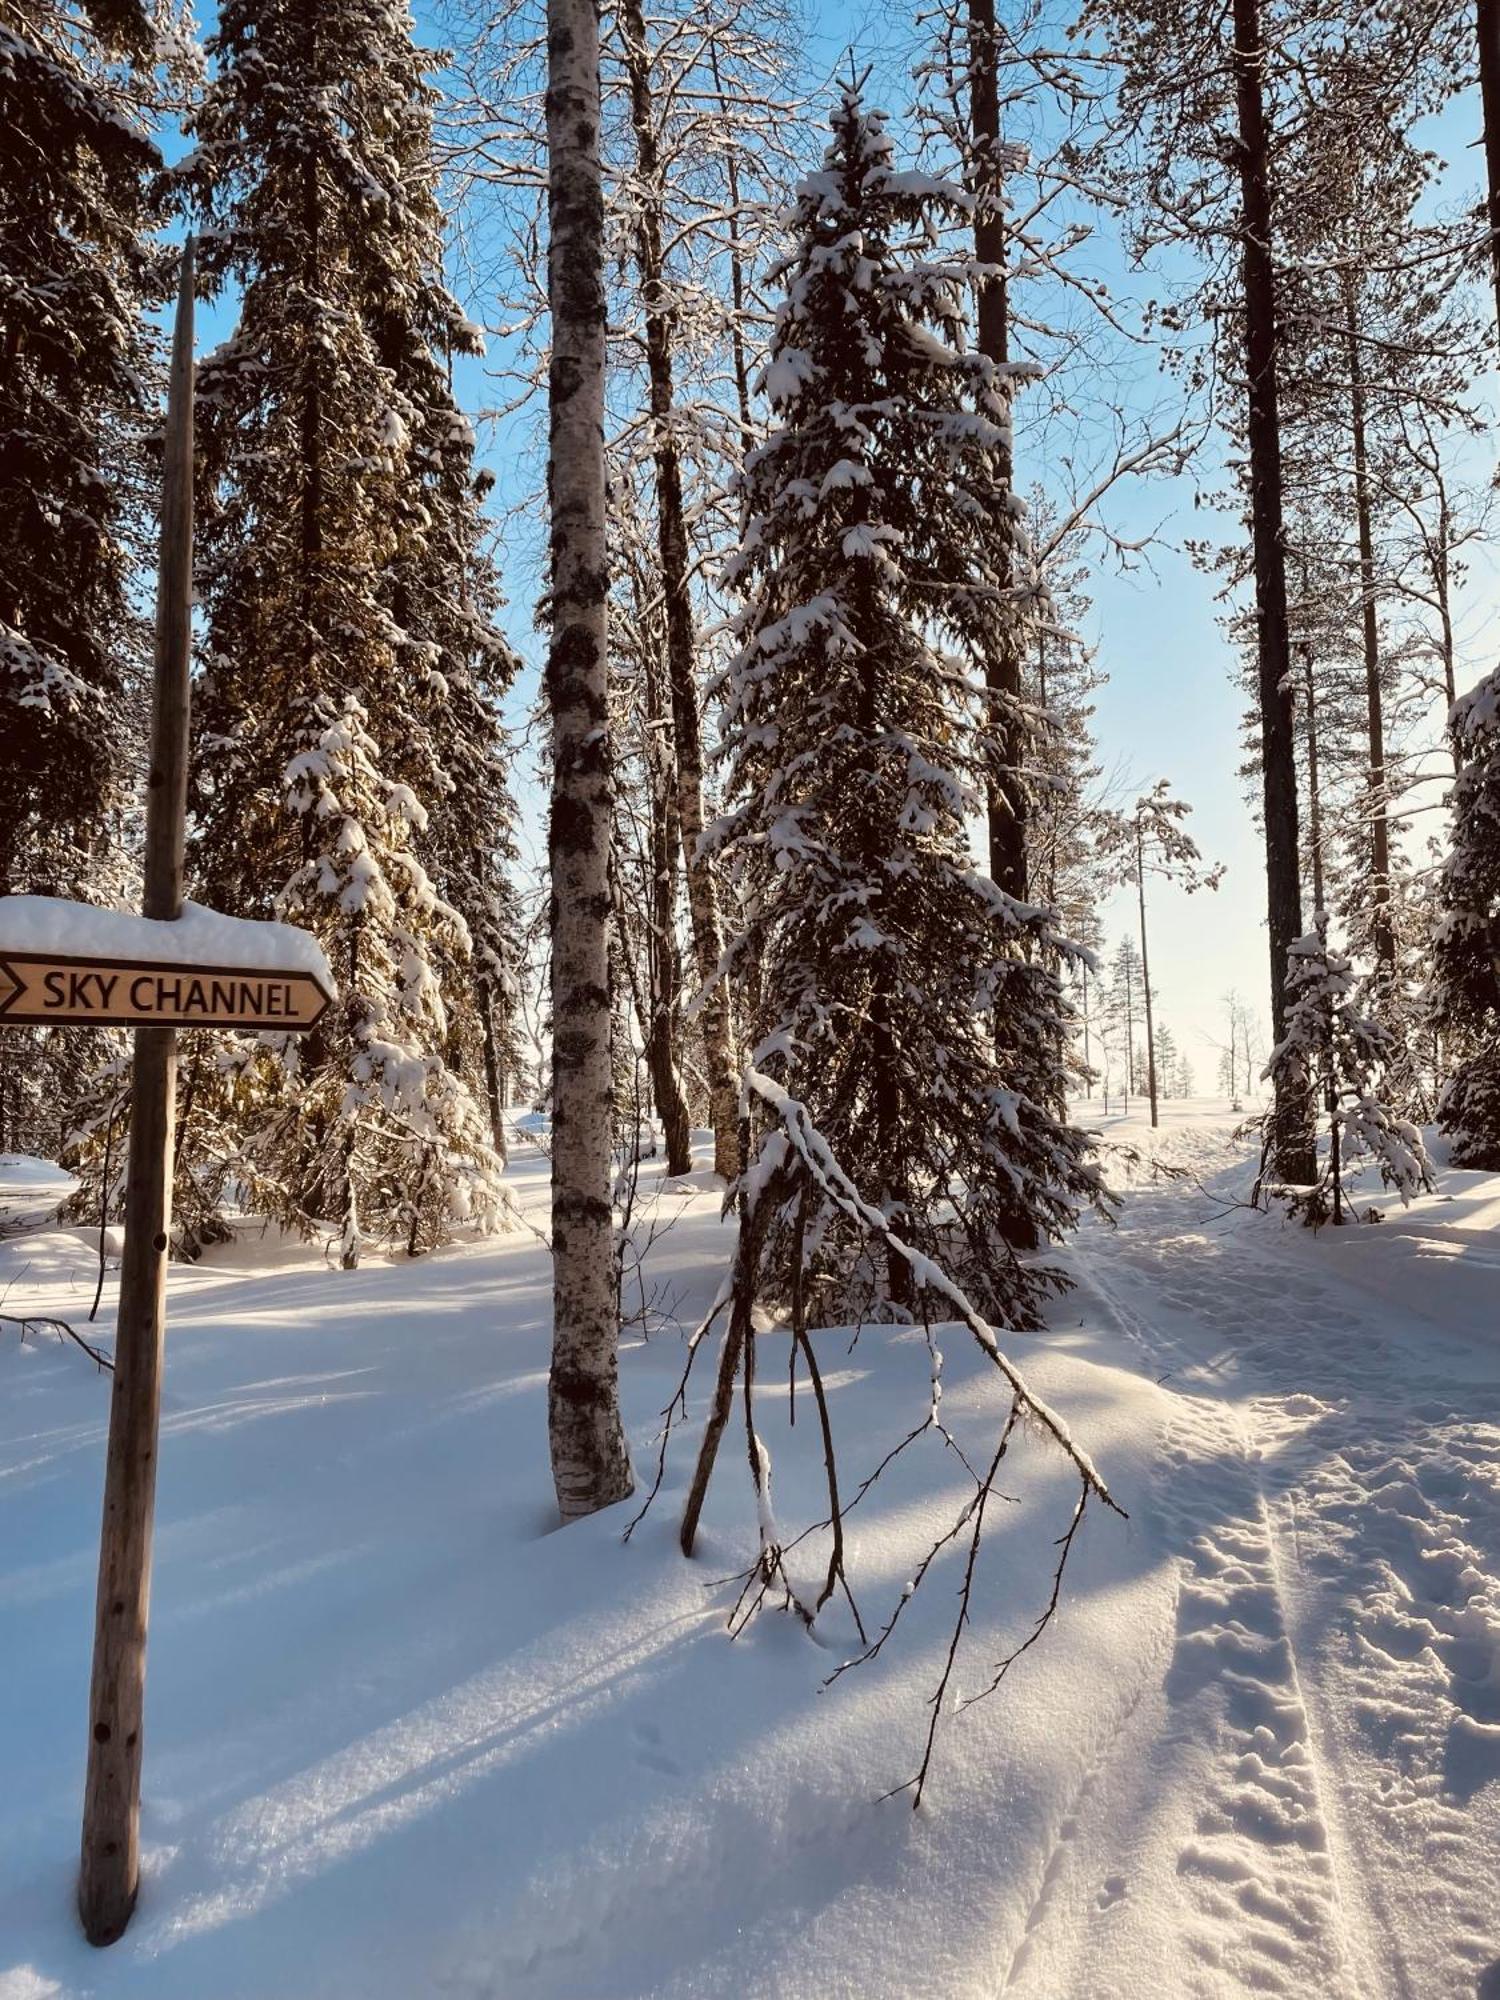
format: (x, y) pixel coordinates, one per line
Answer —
(156, 998)
(53, 989)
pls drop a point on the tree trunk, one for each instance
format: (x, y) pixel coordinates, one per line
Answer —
(494, 1077)
(888, 1127)
(1140, 883)
(311, 440)
(1314, 793)
(676, 591)
(664, 970)
(1006, 792)
(1380, 840)
(1291, 1130)
(590, 1465)
(1487, 20)
(737, 291)
(1442, 578)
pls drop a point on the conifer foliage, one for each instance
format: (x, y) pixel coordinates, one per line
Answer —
(348, 747)
(76, 170)
(873, 564)
(1333, 1052)
(1464, 994)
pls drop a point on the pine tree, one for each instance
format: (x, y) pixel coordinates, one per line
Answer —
(1464, 995)
(1150, 840)
(1125, 1006)
(1332, 1051)
(78, 378)
(346, 746)
(77, 166)
(1164, 1054)
(873, 564)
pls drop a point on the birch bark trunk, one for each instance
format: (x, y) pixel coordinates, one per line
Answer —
(590, 1464)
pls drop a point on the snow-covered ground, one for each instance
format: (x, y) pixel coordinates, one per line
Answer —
(405, 1740)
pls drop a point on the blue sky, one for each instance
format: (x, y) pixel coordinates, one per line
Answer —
(1170, 708)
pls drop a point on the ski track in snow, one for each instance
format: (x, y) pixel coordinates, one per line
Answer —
(1258, 1754)
(1332, 1491)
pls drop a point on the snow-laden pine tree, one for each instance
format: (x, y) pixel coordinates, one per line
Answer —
(347, 750)
(397, 1139)
(1334, 1056)
(874, 565)
(78, 368)
(1464, 994)
(77, 166)
(456, 667)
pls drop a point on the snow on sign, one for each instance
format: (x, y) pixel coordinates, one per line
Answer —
(70, 964)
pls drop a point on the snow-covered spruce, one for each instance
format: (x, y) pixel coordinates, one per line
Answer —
(1464, 993)
(78, 274)
(1333, 1052)
(385, 1129)
(76, 169)
(347, 752)
(873, 564)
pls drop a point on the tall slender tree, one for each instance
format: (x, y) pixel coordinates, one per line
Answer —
(590, 1464)
(1151, 840)
(77, 166)
(873, 566)
(346, 737)
(1198, 90)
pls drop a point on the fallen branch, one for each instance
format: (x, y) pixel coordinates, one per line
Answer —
(62, 1329)
(798, 1153)
(825, 1169)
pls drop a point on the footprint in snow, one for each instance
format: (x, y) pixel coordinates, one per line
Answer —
(1111, 1891)
(648, 1751)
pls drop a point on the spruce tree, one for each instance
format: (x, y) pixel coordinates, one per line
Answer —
(1333, 1054)
(1464, 994)
(347, 748)
(77, 166)
(874, 564)
(78, 374)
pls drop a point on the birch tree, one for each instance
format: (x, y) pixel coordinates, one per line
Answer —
(590, 1464)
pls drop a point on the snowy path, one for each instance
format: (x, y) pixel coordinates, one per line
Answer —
(403, 1741)
(1330, 1488)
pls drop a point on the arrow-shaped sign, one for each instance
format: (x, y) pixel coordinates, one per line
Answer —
(51, 989)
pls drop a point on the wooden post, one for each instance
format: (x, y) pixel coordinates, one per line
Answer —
(110, 1870)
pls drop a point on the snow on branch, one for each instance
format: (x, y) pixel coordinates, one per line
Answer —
(793, 1160)
(820, 1163)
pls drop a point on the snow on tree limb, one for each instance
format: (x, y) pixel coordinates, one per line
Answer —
(812, 1149)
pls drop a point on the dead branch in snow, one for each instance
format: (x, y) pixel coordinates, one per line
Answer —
(27, 1322)
(793, 1161)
